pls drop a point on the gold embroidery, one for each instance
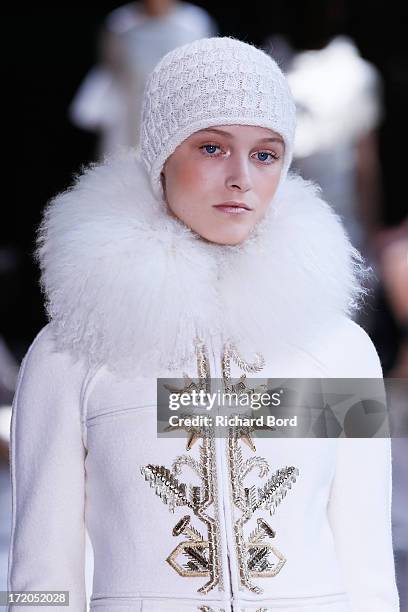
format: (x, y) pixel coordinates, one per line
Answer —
(256, 557)
(230, 352)
(201, 556)
(204, 383)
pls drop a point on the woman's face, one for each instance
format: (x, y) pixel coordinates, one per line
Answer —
(220, 180)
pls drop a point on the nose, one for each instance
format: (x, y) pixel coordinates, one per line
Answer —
(238, 176)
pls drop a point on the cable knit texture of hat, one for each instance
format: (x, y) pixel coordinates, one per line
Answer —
(212, 81)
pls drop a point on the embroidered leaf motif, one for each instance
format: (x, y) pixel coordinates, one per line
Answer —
(183, 460)
(166, 485)
(275, 489)
(252, 463)
(258, 559)
(198, 561)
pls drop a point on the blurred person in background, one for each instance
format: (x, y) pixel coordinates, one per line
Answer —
(339, 109)
(392, 255)
(8, 382)
(133, 39)
(8, 379)
(9, 270)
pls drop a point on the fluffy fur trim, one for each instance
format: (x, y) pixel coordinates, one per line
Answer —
(130, 286)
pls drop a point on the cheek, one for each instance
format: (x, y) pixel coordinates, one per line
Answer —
(189, 177)
(266, 184)
(189, 184)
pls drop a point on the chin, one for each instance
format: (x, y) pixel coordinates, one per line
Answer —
(227, 238)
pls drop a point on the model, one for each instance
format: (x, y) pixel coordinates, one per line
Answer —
(197, 257)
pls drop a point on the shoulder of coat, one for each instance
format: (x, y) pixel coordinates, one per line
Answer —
(348, 352)
(44, 358)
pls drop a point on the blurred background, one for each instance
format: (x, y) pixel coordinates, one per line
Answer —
(74, 78)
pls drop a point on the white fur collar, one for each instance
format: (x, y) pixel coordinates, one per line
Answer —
(130, 286)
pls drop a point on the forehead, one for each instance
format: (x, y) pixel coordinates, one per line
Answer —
(241, 131)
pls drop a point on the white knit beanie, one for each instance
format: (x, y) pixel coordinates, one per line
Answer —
(209, 82)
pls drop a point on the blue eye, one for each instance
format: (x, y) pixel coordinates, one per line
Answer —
(209, 148)
(265, 156)
(212, 147)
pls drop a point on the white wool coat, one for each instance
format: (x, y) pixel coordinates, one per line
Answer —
(128, 288)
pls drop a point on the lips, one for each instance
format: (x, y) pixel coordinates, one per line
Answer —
(232, 206)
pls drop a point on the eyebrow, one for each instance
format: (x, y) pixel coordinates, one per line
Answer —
(229, 135)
